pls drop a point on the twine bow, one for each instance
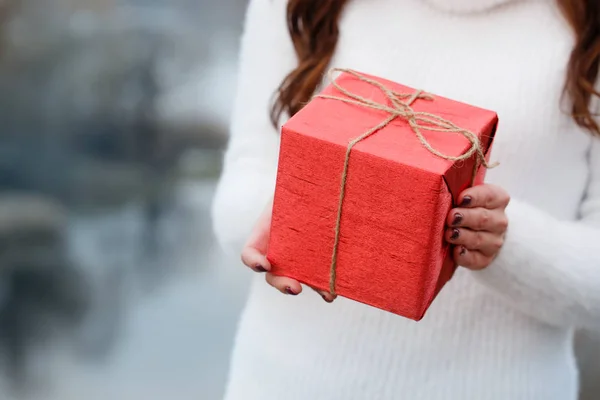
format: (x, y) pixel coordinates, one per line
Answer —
(399, 107)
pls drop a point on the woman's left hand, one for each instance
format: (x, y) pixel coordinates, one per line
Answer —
(477, 227)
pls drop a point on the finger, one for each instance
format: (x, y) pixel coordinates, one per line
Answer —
(284, 284)
(328, 297)
(255, 249)
(486, 196)
(471, 259)
(259, 238)
(478, 219)
(255, 260)
(485, 242)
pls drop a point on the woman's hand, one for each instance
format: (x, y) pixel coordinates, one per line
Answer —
(477, 227)
(254, 257)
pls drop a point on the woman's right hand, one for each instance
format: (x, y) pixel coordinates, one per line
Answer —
(254, 256)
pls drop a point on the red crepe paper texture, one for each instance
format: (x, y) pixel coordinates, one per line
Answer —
(392, 254)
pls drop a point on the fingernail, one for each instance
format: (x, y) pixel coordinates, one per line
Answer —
(289, 291)
(455, 234)
(259, 268)
(458, 217)
(326, 299)
(466, 201)
(463, 251)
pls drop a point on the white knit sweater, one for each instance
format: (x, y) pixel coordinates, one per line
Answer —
(503, 333)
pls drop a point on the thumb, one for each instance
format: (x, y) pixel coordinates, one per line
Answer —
(255, 249)
(259, 238)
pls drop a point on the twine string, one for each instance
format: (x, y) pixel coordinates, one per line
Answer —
(401, 107)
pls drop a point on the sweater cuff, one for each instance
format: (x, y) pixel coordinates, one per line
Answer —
(533, 270)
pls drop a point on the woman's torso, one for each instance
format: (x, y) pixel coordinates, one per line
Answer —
(471, 344)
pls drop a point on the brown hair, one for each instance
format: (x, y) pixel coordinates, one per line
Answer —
(313, 27)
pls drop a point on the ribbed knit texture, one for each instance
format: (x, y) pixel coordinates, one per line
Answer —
(503, 333)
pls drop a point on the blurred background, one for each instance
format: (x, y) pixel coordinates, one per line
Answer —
(113, 118)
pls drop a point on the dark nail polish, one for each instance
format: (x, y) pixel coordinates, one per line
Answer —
(458, 217)
(289, 291)
(455, 234)
(463, 251)
(326, 299)
(466, 201)
(259, 268)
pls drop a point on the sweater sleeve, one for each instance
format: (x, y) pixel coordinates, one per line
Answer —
(549, 268)
(250, 163)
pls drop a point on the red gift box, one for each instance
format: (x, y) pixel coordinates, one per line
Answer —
(401, 180)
